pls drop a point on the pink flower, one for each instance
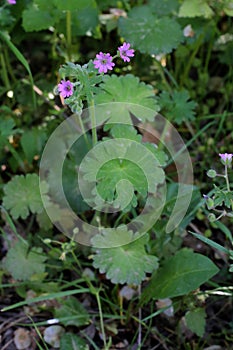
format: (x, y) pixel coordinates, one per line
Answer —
(103, 62)
(226, 157)
(126, 52)
(11, 2)
(65, 88)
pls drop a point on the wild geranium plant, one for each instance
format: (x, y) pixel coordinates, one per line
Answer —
(221, 199)
(121, 176)
(220, 204)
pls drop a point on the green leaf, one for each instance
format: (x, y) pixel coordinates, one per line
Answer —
(113, 237)
(180, 275)
(23, 262)
(35, 19)
(72, 313)
(123, 131)
(72, 342)
(126, 264)
(210, 242)
(134, 96)
(22, 194)
(176, 106)
(195, 8)
(164, 7)
(6, 20)
(32, 142)
(228, 7)
(71, 5)
(195, 321)
(149, 33)
(121, 167)
(7, 128)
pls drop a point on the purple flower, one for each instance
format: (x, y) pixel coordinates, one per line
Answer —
(103, 62)
(226, 157)
(126, 52)
(11, 2)
(65, 88)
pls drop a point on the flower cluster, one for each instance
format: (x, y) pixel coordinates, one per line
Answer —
(103, 62)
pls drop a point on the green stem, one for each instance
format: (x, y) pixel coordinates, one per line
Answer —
(227, 180)
(91, 105)
(161, 72)
(190, 62)
(162, 138)
(101, 319)
(68, 34)
(83, 131)
(228, 184)
(4, 72)
(8, 65)
(16, 156)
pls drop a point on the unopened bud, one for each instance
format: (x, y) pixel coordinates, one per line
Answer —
(212, 217)
(211, 173)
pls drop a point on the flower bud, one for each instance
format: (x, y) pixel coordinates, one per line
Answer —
(212, 217)
(210, 203)
(211, 173)
(47, 241)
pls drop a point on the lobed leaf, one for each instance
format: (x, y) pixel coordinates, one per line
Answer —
(195, 8)
(23, 262)
(149, 32)
(22, 195)
(131, 95)
(125, 264)
(176, 106)
(165, 7)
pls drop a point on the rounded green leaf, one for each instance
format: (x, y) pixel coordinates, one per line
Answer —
(149, 33)
(22, 262)
(22, 195)
(126, 264)
(130, 94)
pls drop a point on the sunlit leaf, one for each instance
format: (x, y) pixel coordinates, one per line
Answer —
(195, 8)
